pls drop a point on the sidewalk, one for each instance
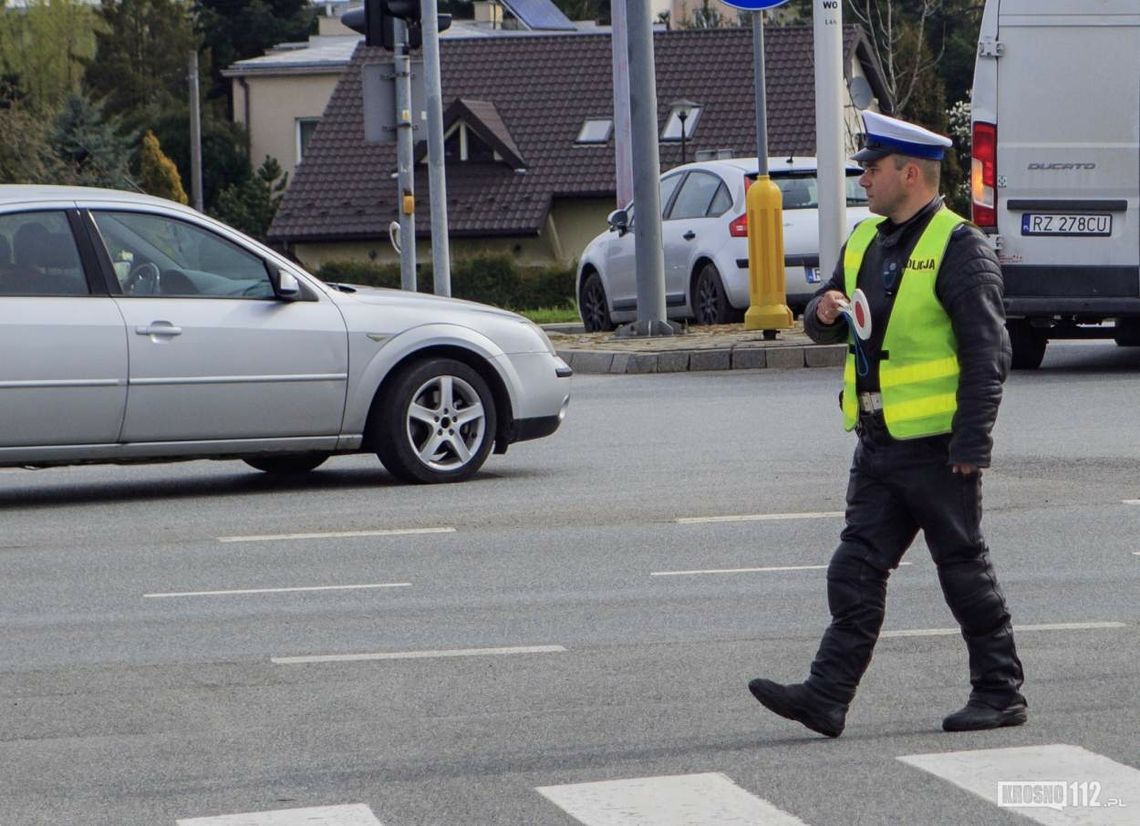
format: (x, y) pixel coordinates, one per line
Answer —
(719, 347)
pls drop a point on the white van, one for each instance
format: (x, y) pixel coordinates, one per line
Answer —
(1055, 177)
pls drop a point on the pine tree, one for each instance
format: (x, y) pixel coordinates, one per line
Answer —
(157, 173)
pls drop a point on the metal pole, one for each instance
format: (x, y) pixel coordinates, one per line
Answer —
(648, 252)
(440, 250)
(405, 155)
(760, 93)
(831, 175)
(622, 132)
(196, 135)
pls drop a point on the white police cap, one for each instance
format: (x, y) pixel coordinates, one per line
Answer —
(884, 136)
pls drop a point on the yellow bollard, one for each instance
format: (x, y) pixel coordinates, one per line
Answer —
(768, 309)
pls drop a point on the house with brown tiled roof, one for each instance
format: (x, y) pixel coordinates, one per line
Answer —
(530, 158)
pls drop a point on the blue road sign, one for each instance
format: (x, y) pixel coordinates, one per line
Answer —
(754, 5)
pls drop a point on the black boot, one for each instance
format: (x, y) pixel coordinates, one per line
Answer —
(977, 716)
(798, 702)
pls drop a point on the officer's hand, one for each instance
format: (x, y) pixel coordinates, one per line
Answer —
(964, 468)
(829, 306)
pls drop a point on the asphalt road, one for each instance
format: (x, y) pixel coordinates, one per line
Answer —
(185, 642)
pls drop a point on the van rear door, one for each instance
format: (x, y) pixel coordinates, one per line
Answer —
(1068, 155)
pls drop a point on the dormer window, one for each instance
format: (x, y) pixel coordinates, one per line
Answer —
(596, 130)
(462, 144)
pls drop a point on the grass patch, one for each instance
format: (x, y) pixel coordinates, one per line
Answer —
(553, 315)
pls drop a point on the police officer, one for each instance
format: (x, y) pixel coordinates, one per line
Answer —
(922, 393)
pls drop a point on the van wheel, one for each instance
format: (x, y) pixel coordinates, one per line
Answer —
(1028, 345)
(1127, 332)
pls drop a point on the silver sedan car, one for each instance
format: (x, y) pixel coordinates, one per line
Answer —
(133, 329)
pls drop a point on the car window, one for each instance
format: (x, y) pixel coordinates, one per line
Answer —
(38, 255)
(695, 196)
(721, 202)
(160, 255)
(668, 186)
(856, 195)
(802, 192)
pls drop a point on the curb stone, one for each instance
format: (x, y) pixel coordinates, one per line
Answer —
(778, 356)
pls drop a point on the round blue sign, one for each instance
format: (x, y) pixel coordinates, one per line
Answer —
(754, 5)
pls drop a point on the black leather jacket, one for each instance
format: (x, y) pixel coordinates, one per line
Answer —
(969, 287)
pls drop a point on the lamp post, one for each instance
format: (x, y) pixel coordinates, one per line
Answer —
(684, 108)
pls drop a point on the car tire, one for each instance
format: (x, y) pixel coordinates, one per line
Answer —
(1127, 332)
(710, 302)
(416, 431)
(286, 465)
(1028, 345)
(592, 305)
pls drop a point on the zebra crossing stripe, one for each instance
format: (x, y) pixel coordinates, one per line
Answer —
(356, 814)
(1057, 785)
(710, 799)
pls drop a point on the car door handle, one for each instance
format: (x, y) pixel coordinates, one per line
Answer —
(689, 236)
(159, 328)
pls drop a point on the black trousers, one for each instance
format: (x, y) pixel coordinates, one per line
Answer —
(895, 489)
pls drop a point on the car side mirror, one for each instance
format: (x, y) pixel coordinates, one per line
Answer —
(285, 284)
(619, 221)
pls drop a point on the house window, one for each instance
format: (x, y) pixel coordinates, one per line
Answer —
(596, 130)
(305, 129)
(672, 130)
(462, 144)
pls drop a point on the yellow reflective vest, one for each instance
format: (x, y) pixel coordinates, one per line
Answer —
(919, 378)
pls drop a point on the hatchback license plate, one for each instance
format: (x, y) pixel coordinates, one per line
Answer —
(1035, 223)
(811, 274)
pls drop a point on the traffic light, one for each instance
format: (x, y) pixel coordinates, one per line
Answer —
(374, 21)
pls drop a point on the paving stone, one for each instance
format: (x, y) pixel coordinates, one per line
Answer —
(676, 361)
(593, 362)
(749, 358)
(710, 360)
(825, 356)
(785, 357)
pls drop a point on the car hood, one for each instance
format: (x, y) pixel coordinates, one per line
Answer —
(413, 301)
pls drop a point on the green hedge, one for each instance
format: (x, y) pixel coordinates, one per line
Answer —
(491, 279)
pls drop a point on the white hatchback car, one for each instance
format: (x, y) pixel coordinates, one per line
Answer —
(137, 330)
(705, 235)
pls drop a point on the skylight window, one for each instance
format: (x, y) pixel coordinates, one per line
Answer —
(672, 130)
(596, 130)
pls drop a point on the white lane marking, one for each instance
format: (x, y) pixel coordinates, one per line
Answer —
(1054, 626)
(1131, 502)
(747, 570)
(277, 590)
(356, 814)
(333, 535)
(1055, 784)
(756, 517)
(709, 799)
(419, 655)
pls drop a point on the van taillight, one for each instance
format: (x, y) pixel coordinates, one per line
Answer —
(983, 176)
(739, 227)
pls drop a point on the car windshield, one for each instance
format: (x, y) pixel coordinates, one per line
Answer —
(800, 190)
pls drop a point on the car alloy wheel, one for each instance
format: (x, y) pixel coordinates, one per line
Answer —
(710, 304)
(439, 423)
(595, 316)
